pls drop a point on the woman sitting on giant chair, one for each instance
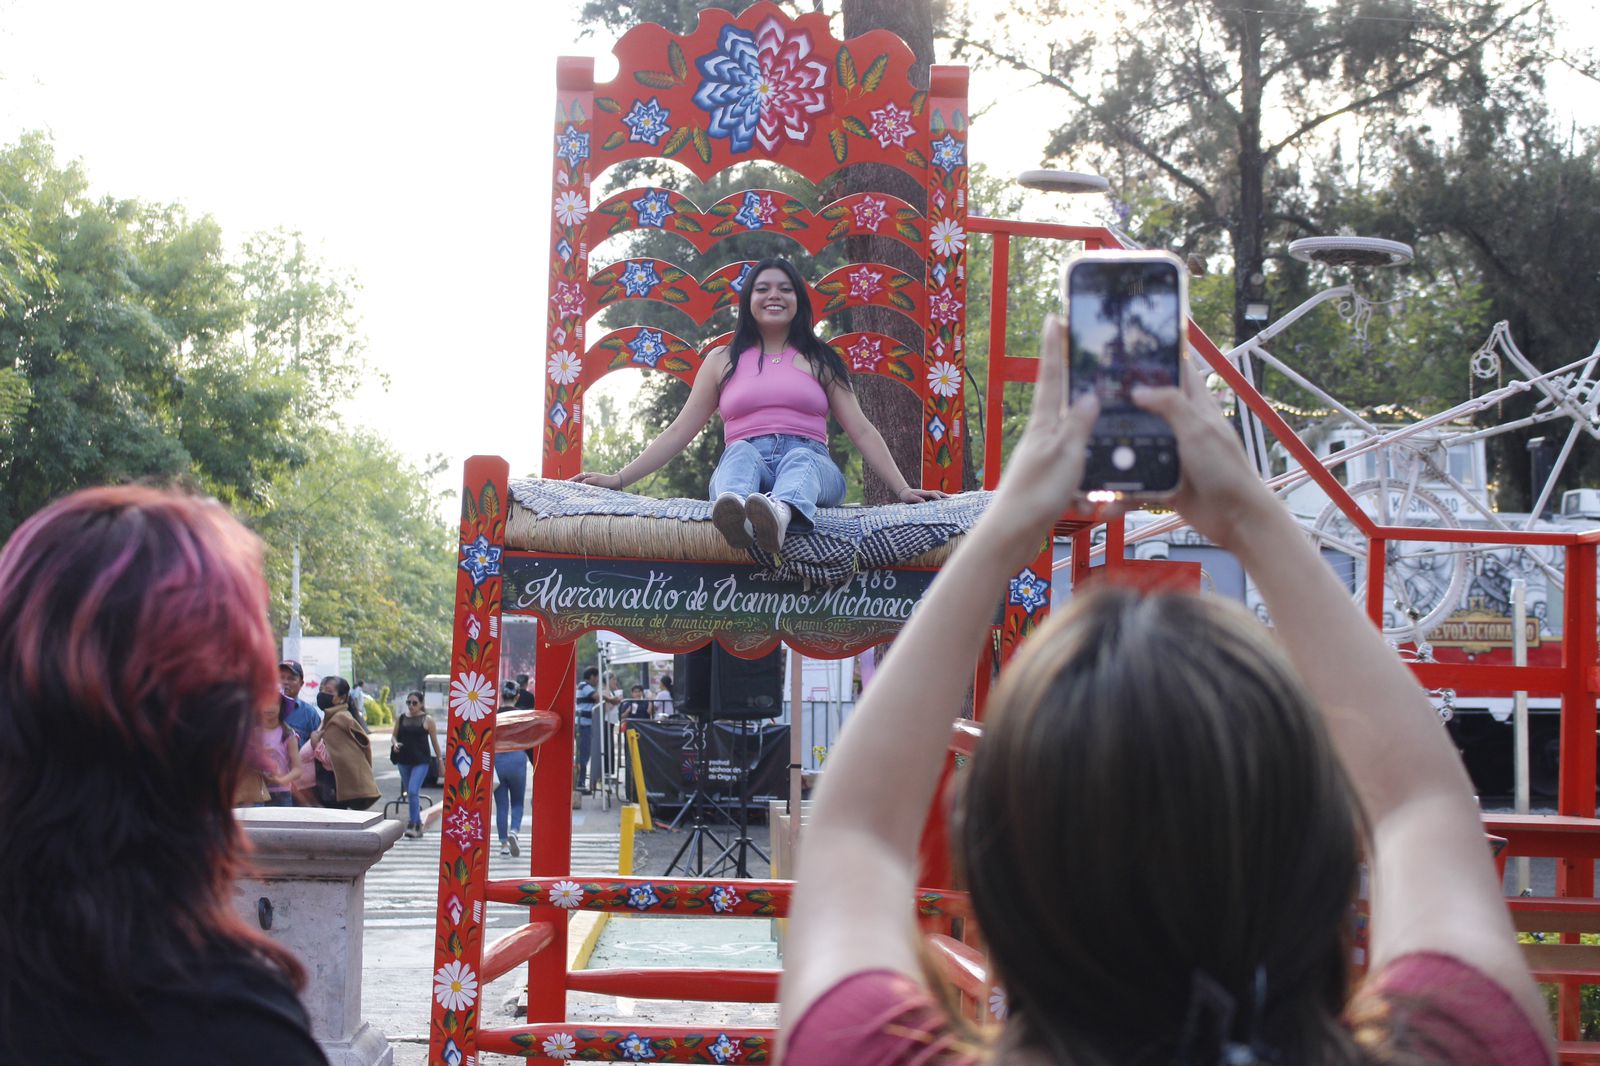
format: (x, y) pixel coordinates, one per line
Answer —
(774, 385)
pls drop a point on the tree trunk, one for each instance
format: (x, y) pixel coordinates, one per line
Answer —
(1249, 280)
(890, 406)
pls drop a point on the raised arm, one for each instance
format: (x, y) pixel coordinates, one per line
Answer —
(869, 442)
(697, 411)
(853, 909)
(1433, 885)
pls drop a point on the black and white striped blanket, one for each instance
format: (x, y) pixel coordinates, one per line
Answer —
(846, 540)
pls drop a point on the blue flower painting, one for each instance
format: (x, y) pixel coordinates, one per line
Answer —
(572, 145)
(760, 87)
(949, 153)
(653, 208)
(1029, 591)
(647, 348)
(639, 278)
(647, 123)
(481, 560)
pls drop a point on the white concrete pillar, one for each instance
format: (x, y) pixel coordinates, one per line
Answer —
(309, 869)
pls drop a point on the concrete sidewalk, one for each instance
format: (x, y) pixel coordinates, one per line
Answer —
(398, 942)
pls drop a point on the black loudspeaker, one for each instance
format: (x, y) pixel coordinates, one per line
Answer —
(712, 681)
(691, 682)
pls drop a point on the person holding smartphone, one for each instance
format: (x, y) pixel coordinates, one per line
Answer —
(1162, 825)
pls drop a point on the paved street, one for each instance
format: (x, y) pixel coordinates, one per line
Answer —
(398, 943)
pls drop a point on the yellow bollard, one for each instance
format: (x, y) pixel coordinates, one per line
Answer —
(630, 815)
(638, 782)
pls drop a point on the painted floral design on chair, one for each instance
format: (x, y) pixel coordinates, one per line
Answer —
(892, 125)
(865, 283)
(572, 145)
(756, 211)
(653, 208)
(639, 278)
(647, 348)
(870, 213)
(647, 123)
(759, 88)
(1028, 591)
(949, 153)
(865, 354)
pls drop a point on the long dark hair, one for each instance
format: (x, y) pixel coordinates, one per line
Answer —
(1227, 862)
(135, 657)
(802, 330)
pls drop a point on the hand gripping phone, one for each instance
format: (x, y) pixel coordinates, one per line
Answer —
(1127, 313)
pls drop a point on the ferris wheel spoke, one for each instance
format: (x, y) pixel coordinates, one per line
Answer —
(1338, 543)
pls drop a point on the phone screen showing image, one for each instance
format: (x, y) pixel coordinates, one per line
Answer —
(1125, 324)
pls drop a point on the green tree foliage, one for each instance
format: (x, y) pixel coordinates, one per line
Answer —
(1223, 112)
(377, 561)
(124, 358)
(1517, 203)
(132, 347)
(1030, 294)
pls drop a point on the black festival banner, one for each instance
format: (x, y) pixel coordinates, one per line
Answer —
(679, 606)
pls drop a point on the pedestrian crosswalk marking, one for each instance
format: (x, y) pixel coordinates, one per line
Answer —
(402, 890)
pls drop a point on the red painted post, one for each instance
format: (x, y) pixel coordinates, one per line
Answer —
(550, 829)
(1082, 545)
(1377, 549)
(995, 386)
(569, 266)
(1116, 543)
(468, 766)
(945, 322)
(1576, 791)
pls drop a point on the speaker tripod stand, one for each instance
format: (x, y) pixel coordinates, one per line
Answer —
(703, 809)
(734, 860)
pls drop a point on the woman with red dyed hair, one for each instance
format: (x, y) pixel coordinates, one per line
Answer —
(135, 656)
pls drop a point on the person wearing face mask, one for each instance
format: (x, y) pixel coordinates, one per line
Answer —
(775, 386)
(353, 787)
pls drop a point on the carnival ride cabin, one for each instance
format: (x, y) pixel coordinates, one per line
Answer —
(769, 87)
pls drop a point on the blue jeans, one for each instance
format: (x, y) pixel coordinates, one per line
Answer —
(411, 778)
(512, 769)
(584, 730)
(796, 470)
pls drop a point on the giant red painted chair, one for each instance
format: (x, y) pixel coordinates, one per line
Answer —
(768, 87)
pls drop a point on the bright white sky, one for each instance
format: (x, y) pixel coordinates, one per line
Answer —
(409, 142)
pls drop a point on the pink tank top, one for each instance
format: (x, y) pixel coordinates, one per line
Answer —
(764, 397)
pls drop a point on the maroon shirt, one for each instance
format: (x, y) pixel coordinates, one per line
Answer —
(1442, 1010)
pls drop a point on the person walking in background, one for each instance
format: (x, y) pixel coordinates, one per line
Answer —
(412, 747)
(665, 707)
(134, 644)
(609, 713)
(358, 700)
(524, 700)
(511, 787)
(352, 786)
(298, 715)
(278, 753)
(585, 703)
